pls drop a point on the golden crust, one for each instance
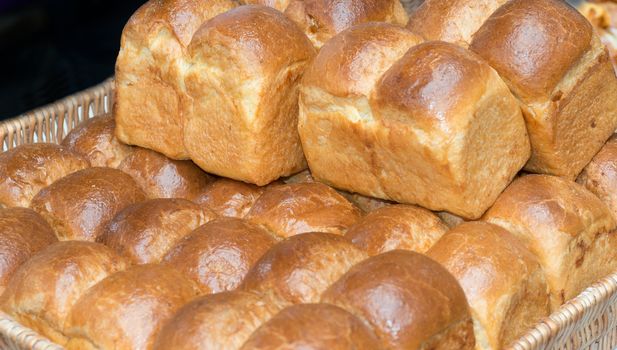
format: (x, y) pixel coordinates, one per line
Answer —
(230, 198)
(600, 175)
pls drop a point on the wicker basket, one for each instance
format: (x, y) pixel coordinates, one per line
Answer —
(587, 322)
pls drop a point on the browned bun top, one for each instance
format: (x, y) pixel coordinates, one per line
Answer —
(335, 69)
(229, 198)
(291, 209)
(145, 231)
(220, 253)
(96, 140)
(45, 288)
(600, 175)
(162, 177)
(127, 309)
(222, 321)
(533, 44)
(393, 227)
(410, 301)
(27, 169)
(313, 326)
(280, 5)
(24, 232)
(80, 205)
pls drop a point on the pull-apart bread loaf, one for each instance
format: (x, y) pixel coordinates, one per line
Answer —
(553, 62)
(148, 72)
(600, 175)
(566, 227)
(243, 71)
(27, 169)
(387, 116)
(503, 281)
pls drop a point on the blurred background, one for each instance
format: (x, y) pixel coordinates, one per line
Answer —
(54, 48)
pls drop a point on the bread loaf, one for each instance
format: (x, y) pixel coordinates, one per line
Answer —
(600, 175)
(566, 227)
(79, 206)
(27, 169)
(503, 281)
(429, 124)
(229, 198)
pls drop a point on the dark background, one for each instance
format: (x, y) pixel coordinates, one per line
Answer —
(54, 48)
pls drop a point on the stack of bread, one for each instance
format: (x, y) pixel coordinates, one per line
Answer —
(322, 174)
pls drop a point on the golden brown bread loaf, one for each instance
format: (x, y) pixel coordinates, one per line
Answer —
(394, 227)
(300, 268)
(503, 281)
(79, 206)
(385, 116)
(23, 233)
(222, 321)
(220, 253)
(229, 198)
(145, 231)
(600, 175)
(96, 140)
(128, 308)
(291, 209)
(45, 288)
(148, 72)
(322, 19)
(161, 177)
(27, 169)
(313, 326)
(568, 229)
(409, 300)
(243, 125)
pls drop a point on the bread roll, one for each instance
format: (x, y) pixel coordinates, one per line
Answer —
(292, 209)
(220, 322)
(27, 169)
(220, 253)
(45, 288)
(79, 206)
(410, 301)
(161, 177)
(385, 116)
(145, 231)
(300, 268)
(503, 281)
(229, 198)
(148, 79)
(23, 234)
(243, 125)
(313, 326)
(397, 227)
(600, 175)
(127, 309)
(95, 139)
(568, 229)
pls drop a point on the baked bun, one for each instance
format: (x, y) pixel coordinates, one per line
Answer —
(222, 321)
(220, 253)
(600, 176)
(394, 227)
(313, 326)
(254, 140)
(567, 228)
(95, 139)
(410, 301)
(27, 169)
(301, 267)
(79, 206)
(288, 210)
(44, 289)
(503, 281)
(229, 198)
(127, 309)
(426, 110)
(145, 231)
(23, 233)
(148, 72)
(161, 177)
